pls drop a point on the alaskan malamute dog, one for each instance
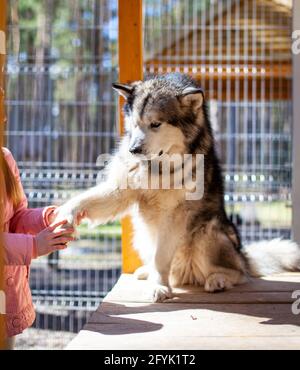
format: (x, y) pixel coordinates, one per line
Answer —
(181, 239)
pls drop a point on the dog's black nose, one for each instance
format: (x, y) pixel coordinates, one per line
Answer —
(136, 150)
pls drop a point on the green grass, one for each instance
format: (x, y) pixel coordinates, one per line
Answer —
(109, 231)
(273, 214)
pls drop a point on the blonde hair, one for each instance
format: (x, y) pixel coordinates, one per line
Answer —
(12, 187)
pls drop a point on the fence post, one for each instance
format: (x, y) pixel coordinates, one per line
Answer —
(296, 127)
(130, 69)
(2, 117)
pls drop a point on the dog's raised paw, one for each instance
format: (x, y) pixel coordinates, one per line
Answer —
(161, 293)
(64, 213)
(217, 282)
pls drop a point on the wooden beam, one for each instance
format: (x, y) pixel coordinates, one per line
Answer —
(218, 71)
(130, 69)
(2, 117)
(296, 129)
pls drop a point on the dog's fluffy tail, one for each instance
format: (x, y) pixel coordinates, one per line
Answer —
(272, 257)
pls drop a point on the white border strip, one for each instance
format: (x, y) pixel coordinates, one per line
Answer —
(296, 129)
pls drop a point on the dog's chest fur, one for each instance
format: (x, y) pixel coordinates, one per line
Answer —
(159, 215)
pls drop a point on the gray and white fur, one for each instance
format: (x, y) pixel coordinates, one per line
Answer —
(180, 241)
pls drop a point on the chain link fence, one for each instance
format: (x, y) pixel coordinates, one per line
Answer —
(240, 52)
(62, 115)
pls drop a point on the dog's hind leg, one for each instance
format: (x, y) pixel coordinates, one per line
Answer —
(223, 279)
(220, 262)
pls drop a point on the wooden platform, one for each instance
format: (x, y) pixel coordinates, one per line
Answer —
(257, 315)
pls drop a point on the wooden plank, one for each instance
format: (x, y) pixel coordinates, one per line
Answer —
(296, 129)
(2, 116)
(269, 290)
(203, 323)
(196, 320)
(130, 69)
(88, 340)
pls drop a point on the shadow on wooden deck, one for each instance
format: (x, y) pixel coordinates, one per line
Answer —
(254, 315)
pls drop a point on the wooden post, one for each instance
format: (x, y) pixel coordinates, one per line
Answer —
(130, 69)
(2, 118)
(296, 129)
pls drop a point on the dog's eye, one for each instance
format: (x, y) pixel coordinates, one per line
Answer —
(155, 125)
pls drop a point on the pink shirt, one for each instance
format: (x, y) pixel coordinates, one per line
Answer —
(20, 227)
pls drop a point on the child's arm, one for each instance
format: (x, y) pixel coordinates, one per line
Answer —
(27, 221)
(30, 221)
(18, 249)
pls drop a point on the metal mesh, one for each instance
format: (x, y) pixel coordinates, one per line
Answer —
(62, 115)
(240, 51)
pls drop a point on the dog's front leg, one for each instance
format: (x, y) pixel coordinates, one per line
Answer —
(161, 265)
(101, 204)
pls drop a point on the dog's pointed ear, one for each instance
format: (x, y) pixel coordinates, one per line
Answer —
(123, 89)
(192, 96)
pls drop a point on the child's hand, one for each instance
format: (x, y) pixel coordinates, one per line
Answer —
(53, 238)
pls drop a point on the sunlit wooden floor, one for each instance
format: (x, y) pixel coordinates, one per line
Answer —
(258, 315)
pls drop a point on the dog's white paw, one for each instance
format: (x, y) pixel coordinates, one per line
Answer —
(217, 282)
(160, 293)
(142, 273)
(158, 286)
(65, 213)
